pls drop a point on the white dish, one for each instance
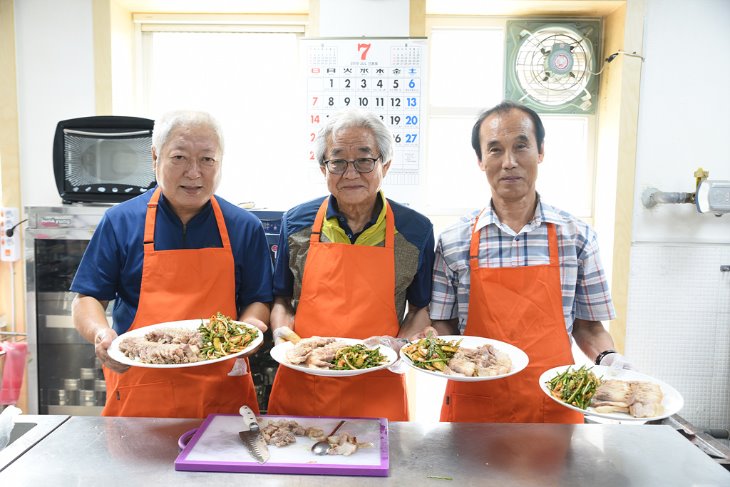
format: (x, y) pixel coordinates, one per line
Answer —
(672, 401)
(278, 353)
(119, 356)
(518, 357)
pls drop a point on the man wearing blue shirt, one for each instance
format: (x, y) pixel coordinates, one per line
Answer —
(176, 252)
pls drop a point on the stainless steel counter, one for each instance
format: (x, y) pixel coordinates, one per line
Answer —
(26, 433)
(140, 451)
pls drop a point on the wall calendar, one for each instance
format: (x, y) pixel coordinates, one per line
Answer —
(385, 76)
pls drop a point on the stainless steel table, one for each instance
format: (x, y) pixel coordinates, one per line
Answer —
(91, 451)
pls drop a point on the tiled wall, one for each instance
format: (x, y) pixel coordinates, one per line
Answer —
(678, 325)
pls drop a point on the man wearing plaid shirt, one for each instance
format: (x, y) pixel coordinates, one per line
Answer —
(522, 272)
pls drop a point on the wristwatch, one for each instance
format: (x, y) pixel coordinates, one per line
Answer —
(603, 354)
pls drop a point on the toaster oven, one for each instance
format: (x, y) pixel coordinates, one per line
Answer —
(103, 159)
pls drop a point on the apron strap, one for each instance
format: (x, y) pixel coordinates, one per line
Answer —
(389, 227)
(553, 244)
(149, 222)
(317, 227)
(474, 247)
(222, 229)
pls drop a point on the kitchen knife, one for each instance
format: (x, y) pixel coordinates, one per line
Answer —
(251, 436)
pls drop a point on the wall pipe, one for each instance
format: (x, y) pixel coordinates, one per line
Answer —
(652, 197)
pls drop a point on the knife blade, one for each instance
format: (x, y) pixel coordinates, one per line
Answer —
(251, 436)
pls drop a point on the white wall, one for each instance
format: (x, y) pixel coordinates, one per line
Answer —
(678, 317)
(55, 68)
(684, 120)
(370, 18)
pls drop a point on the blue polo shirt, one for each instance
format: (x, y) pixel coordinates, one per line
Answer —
(111, 267)
(416, 230)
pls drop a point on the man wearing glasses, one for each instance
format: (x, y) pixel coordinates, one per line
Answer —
(353, 264)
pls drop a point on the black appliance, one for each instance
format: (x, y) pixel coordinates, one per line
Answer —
(263, 367)
(271, 220)
(103, 159)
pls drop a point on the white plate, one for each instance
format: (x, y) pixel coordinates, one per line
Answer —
(672, 401)
(278, 353)
(518, 357)
(119, 356)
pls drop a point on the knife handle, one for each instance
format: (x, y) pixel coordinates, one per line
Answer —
(249, 418)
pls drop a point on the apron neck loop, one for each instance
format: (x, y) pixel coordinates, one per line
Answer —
(474, 246)
(389, 224)
(151, 219)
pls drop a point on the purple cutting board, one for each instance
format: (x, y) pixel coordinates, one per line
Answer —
(216, 447)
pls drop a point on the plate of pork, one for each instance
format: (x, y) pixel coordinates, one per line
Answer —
(616, 394)
(464, 358)
(333, 356)
(186, 343)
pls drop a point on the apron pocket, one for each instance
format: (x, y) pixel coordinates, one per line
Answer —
(224, 396)
(154, 399)
(373, 395)
(555, 413)
(469, 408)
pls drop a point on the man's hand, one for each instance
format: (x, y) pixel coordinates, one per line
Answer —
(429, 331)
(395, 343)
(102, 341)
(616, 361)
(285, 334)
(255, 322)
(385, 340)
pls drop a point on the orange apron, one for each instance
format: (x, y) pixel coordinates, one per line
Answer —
(522, 306)
(347, 291)
(180, 285)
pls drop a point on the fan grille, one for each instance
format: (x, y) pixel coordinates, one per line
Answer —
(550, 63)
(553, 65)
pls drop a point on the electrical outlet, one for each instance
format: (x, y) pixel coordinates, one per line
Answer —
(9, 246)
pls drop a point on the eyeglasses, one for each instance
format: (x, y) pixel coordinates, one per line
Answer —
(361, 165)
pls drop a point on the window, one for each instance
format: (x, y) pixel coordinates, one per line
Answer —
(248, 77)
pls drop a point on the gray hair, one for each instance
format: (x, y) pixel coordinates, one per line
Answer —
(183, 118)
(354, 117)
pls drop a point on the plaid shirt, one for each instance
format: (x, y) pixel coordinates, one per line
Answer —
(585, 290)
